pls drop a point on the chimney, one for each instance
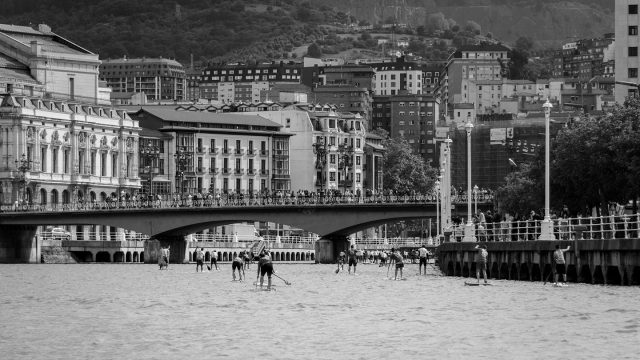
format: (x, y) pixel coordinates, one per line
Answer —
(36, 47)
(44, 28)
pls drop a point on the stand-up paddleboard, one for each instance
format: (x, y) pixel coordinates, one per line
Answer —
(476, 284)
(560, 285)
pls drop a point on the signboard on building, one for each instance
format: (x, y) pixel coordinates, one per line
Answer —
(498, 136)
(442, 132)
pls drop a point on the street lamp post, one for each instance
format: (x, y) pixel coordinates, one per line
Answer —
(437, 208)
(546, 227)
(23, 165)
(469, 231)
(320, 149)
(149, 154)
(346, 156)
(182, 158)
(475, 197)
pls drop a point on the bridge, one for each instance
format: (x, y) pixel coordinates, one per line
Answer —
(168, 222)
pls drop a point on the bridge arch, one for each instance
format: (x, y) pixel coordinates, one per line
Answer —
(103, 256)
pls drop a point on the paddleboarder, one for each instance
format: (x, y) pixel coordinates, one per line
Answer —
(341, 260)
(396, 257)
(424, 259)
(561, 269)
(237, 264)
(265, 266)
(481, 262)
(164, 258)
(200, 259)
(214, 259)
(353, 258)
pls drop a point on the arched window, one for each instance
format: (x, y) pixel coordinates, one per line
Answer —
(66, 198)
(43, 197)
(54, 197)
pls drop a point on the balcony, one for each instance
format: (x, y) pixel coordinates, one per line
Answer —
(251, 152)
(264, 172)
(226, 171)
(201, 150)
(239, 152)
(238, 171)
(264, 152)
(225, 151)
(200, 170)
(213, 150)
(214, 171)
(251, 171)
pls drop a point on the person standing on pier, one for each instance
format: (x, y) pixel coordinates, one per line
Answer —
(424, 259)
(265, 266)
(214, 260)
(200, 259)
(237, 264)
(396, 257)
(481, 262)
(353, 258)
(561, 269)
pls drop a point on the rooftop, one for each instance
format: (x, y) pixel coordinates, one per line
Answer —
(49, 41)
(169, 113)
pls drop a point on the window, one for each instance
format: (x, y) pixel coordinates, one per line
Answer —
(633, 9)
(633, 72)
(633, 51)
(332, 159)
(358, 160)
(633, 30)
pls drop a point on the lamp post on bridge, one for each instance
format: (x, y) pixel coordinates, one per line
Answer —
(475, 196)
(546, 227)
(23, 165)
(182, 159)
(149, 155)
(320, 149)
(469, 231)
(438, 208)
(345, 160)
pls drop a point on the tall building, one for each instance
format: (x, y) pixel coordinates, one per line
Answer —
(61, 140)
(397, 78)
(471, 62)
(161, 80)
(347, 97)
(584, 59)
(627, 42)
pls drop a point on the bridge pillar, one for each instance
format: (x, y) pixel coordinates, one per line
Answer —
(18, 244)
(328, 248)
(178, 249)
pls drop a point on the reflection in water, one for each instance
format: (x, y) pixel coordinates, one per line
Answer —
(126, 311)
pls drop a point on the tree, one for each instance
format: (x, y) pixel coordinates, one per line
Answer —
(405, 171)
(521, 191)
(314, 51)
(473, 27)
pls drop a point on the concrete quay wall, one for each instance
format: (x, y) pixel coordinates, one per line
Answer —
(613, 261)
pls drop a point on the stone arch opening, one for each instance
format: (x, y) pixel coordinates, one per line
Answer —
(225, 257)
(83, 256)
(54, 197)
(118, 256)
(276, 256)
(80, 195)
(313, 257)
(66, 197)
(598, 277)
(585, 274)
(494, 271)
(535, 272)
(450, 269)
(128, 257)
(92, 196)
(103, 196)
(524, 271)
(43, 197)
(135, 257)
(142, 256)
(103, 256)
(613, 276)
(207, 257)
(513, 272)
(635, 276)
(572, 273)
(190, 256)
(297, 256)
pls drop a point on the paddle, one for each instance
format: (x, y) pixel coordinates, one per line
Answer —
(208, 267)
(547, 279)
(285, 281)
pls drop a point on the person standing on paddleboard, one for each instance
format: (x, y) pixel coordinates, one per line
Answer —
(396, 257)
(265, 266)
(424, 258)
(341, 260)
(353, 259)
(561, 269)
(481, 262)
(237, 264)
(200, 259)
(214, 260)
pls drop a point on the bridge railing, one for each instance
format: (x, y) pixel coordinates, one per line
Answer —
(229, 200)
(591, 228)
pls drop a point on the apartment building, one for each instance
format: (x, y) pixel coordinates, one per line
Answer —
(626, 51)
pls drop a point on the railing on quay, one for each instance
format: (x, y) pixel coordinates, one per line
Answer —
(591, 228)
(231, 201)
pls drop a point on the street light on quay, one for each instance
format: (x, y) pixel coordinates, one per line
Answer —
(149, 155)
(320, 149)
(469, 231)
(546, 227)
(475, 197)
(23, 165)
(437, 187)
(182, 159)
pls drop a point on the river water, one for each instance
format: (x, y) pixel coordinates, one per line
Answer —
(109, 311)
